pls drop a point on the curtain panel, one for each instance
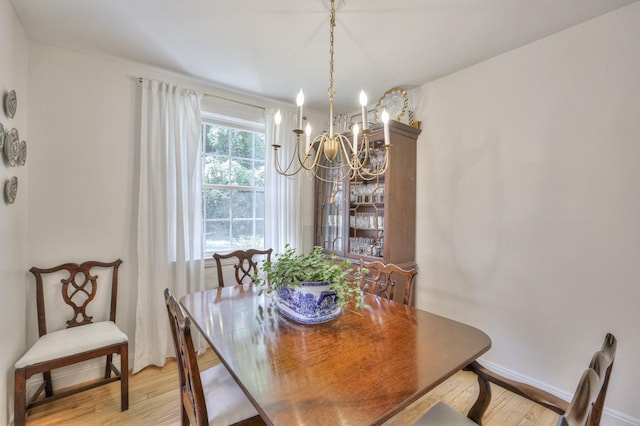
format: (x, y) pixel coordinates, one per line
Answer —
(283, 200)
(169, 241)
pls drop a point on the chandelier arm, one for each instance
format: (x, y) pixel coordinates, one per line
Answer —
(303, 160)
(364, 150)
(351, 175)
(279, 169)
(321, 178)
(347, 151)
(286, 171)
(356, 164)
(337, 179)
(316, 158)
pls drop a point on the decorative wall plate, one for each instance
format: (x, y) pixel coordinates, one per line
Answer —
(395, 101)
(11, 147)
(22, 153)
(10, 104)
(3, 136)
(10, 190)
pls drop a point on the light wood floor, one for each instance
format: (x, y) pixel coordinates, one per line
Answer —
(153, 400)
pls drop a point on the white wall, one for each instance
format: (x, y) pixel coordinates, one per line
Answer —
(529, 203)
(13, 218)
(83, 167)
(82, 193)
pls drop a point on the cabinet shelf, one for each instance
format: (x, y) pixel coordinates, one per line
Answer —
(367, 257)
(356, 205)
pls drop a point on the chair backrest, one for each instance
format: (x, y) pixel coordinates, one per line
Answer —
(79, 289)
(588, 401)
(191, 392)
(388, 280)
(246, 264)
(586, 406)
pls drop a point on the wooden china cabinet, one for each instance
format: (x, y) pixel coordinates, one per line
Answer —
(373, 219)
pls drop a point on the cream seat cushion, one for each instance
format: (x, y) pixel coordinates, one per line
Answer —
(226, 402)
(442, 414)
(69, 341)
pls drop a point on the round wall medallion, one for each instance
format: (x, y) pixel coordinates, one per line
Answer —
(10, 104)
(11, 147)
(3, 136)
(22, 153)
(10, 190)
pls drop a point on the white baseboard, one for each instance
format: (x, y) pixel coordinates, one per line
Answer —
(609, 417)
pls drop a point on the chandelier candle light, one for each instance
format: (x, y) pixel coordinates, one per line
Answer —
(342, 158)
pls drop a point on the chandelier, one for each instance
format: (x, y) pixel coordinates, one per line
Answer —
(331, 156)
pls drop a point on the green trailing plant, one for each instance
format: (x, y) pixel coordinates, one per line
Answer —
(291, 270)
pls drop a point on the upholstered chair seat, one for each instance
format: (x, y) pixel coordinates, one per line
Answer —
(70, 341)
(230, 404)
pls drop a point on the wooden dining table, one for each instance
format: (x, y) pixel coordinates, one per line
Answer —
(359, 369)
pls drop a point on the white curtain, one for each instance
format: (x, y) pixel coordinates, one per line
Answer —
(283, 201)
(170, 244)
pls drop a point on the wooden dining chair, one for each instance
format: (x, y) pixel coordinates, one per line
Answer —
(211, 397)
(388, 280)
(246, 263)
(585, 408)
(83, 338)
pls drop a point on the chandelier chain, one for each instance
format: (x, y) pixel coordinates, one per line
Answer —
(332, 25)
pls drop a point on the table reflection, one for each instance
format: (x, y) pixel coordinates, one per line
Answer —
(361, 368)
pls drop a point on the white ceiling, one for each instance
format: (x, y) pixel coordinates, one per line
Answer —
(273, 48)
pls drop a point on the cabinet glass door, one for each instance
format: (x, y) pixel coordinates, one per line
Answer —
(330, 215)
(366, 208)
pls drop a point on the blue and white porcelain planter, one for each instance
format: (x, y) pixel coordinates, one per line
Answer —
(312, 303)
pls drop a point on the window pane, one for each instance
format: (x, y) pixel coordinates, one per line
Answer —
(242, 144)
(207, 138)
(217, 139)
(259, 146)
(258, 173)
(242, 206)
(216, 170)
(216, 203)
(260, 228)
(217, 235)
(242, 232)
(259, 205)
(241, 172)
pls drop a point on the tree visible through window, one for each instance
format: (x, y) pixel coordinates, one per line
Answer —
(233, 187)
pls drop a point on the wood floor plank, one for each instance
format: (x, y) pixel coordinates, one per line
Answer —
(154, 400)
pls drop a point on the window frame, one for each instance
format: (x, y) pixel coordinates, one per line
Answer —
(237, 124)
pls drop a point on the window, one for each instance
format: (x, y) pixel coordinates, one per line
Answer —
(232, 183)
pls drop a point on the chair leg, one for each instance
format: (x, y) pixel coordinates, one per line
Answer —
(48, 383)
(184, 418)
(20, 398)
(124, 377)
(107, 368)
